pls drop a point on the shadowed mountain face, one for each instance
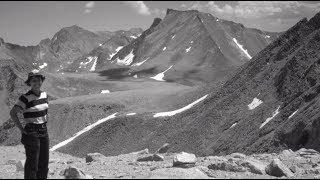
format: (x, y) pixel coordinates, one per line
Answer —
(271, 103)
(197, 46)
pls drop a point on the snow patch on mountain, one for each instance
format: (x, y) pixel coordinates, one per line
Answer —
(187, 50)
(82, 64)
(270, 118)
(140, 63)
(255, 103)
(118, 49)
(105, 91)
(171, 113)
(241, 47)
(131, 114)
(43, 65)
(160, 76)
(233, 125)
(127, 60)
(293, 113)
(86, 129)
(93, 68)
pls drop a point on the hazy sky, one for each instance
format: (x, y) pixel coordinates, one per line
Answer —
(26, 23)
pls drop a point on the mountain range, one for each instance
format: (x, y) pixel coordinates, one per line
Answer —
(202, 84)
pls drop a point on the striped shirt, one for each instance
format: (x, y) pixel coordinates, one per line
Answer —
(35, 108)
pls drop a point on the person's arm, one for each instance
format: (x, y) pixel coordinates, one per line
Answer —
(14, 116)
(20, 106)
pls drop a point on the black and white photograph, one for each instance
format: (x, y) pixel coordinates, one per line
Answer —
(159, 89)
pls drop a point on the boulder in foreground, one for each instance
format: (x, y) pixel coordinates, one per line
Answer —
(20, 165)
(92, 157)
(184, 160)
(74, 173)
(154, 157)
(278, 169)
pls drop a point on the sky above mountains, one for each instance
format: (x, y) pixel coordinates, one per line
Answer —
(27, 22)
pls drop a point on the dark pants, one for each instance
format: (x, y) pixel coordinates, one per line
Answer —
(36, 145)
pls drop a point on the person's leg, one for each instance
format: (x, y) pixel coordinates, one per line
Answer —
(43, 169)
(32, 147)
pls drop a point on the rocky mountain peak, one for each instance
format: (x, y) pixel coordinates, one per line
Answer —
(173, 11)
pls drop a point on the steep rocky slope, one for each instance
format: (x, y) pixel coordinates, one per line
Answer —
(271, 103)
(190, 47)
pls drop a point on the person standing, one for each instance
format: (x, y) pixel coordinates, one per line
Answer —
(34, 106)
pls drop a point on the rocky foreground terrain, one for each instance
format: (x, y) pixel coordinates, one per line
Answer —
(303, 163)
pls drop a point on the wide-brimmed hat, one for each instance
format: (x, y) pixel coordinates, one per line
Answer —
(34, 73)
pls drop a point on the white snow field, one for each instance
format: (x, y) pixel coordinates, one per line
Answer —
(131, 114)
(187, 50)
(117, 50)
(140, 63)
(63, 143)
(160, 76)
(93, 68)
(43, 65)
(270, 118)
(241, 47)
(126, 60)
(233, 125)
(171, 113)
(293, 114)
(105, 91)
(255, 103)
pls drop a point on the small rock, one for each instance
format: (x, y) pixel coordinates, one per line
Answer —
(295, 169)
(312, 171)
(177, 173)
(11, 162)
(184, 160)
(238, 155)
(154, 157)
(53, 161)
(20, 165)
(145, 151)
(163, 149)
(254, 166)
(306, 152)
(92, 157)
(278, 169)
(74, 173)
(69, 162)
(287, 152)
(227, 166)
